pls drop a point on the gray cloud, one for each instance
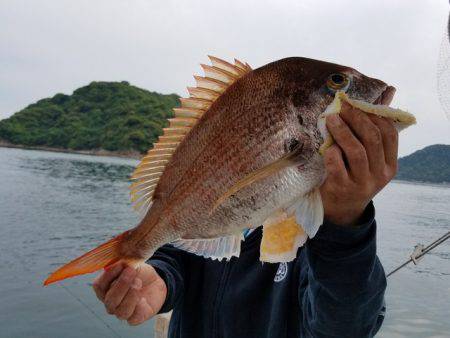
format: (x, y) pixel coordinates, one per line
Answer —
(57, 46)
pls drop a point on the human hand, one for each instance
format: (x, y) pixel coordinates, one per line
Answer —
(361, 162)
(134, 295)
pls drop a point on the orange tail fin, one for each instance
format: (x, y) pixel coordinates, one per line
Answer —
(100, 257)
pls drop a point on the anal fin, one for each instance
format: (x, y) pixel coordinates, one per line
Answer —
(214, 248)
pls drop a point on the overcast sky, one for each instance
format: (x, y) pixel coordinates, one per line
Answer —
(47, 47)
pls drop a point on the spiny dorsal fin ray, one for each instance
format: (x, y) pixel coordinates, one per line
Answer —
(218, 77)
(195, 102)
(202, 93)
(219, 74)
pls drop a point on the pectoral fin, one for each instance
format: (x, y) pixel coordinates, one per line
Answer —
(290, 159)
(309, 212)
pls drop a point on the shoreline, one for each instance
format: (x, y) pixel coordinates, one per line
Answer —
(434, 184)
(134, 155)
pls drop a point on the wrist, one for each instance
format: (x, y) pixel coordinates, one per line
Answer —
(345, 216)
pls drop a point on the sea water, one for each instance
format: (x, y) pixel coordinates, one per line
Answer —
(55, 206)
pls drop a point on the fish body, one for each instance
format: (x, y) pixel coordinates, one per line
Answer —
(261, 133)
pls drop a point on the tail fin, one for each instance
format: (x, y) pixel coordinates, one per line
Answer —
(100, 257)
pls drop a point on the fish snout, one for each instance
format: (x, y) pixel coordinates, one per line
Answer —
(386, 96)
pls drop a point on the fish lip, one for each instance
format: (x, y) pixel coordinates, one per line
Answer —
(386, 96)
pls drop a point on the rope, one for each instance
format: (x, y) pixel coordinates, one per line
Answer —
(423, 252)
(90, 310)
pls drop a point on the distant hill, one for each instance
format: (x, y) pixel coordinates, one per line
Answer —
(114, 116)
(431, 164)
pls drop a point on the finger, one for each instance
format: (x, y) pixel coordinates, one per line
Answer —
(147, 274)
(335, 165)
(119, 289)
(142, 312)
(353, 150)
(369, 135)
(103, 282)
(130, 301)
(389, 134)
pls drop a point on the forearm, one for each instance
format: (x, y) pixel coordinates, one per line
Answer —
(346, 281)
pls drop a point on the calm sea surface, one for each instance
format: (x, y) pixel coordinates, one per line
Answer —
(56, 206)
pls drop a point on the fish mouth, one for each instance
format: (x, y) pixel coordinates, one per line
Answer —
(386, 96)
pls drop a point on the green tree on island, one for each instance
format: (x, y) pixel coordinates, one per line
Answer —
(114, 116)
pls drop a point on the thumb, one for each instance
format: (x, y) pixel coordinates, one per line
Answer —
(147, 274)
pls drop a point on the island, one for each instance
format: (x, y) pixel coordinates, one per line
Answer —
(430, 164)
(111, 118)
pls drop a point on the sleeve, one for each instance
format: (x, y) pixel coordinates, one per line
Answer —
(345, 281)
(169, 263)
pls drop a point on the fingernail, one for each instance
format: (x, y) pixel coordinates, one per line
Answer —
(137, 284)
(334, 120)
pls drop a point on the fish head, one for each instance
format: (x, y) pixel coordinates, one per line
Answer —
(310, 85)
(304, 89)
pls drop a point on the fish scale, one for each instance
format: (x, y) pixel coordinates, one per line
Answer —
(243, 150)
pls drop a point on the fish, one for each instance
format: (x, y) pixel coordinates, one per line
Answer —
(244, 149)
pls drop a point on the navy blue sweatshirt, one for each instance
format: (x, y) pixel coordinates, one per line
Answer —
(334, 288)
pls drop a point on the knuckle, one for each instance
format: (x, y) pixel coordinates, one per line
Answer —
(387, 175)
(331, 155)
(329, 159)
(110, 305)
(122, 284)
(331, 168)
(374, 136)
(357, 153)
(109, 309)
(343, 189)
(122, 313)
(127, 277)
(391, 135)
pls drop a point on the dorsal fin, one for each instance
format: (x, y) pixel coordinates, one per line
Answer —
(218, 77)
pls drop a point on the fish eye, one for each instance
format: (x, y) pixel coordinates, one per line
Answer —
(338, 81)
